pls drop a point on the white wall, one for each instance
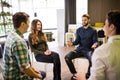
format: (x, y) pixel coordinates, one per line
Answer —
(61, 26)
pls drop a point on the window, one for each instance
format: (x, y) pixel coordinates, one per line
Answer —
(82, 8)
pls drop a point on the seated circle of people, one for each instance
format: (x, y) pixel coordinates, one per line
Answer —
(38, 44)
(87, 41)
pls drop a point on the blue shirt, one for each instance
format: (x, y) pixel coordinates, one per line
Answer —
(85, 38)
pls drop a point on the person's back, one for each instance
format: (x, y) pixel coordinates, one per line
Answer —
(109, 55)
(106, 58)
(112, 61)
(11, 62)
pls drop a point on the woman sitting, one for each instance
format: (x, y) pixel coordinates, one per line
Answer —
(38, 43)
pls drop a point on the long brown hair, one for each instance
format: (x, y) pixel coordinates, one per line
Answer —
(35, 37)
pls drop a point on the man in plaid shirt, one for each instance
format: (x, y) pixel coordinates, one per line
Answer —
(16, 56)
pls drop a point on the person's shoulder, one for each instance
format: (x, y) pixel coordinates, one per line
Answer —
(102, 52)
(103, 48)
(91, 27)
(80, 28)
(17, 38)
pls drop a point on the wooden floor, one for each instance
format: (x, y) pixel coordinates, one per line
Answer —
(81, 64)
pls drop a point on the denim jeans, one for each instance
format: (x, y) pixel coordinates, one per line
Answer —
(77, 54)
(53, 58)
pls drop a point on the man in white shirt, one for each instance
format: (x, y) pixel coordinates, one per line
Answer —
(106, 58)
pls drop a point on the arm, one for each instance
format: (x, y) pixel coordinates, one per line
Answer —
(95, 40)
(20, 51)
(32, 72)
(98, 66)
(77, 39)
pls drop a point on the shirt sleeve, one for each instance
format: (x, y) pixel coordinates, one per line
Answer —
(20, 51)
(95, 37)
(98, 66)
(77, 39)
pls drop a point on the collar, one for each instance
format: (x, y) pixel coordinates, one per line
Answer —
(19, 33)
(115, 37)
(85, 28)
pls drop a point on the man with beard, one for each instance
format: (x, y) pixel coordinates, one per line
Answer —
(86, 39)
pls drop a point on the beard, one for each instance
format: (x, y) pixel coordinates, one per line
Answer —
(85, 24)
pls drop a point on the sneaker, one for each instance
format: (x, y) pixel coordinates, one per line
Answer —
(73, 77)
(87, 75)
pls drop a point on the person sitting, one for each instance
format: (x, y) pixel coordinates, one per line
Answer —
(38, 44)
(86, 39)
(105, 60)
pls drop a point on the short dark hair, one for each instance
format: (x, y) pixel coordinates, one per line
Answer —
(114, 18)
(18, 18)
(86, 15)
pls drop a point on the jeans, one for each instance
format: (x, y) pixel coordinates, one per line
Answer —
(53, 58)
(77, 54)
(43, 74)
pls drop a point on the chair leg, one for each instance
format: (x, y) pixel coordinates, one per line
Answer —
(45, 66)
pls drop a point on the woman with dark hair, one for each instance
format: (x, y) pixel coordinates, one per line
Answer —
(38, 43)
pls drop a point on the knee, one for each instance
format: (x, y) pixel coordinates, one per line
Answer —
(55, 55)
(43, 74)
(67, 58)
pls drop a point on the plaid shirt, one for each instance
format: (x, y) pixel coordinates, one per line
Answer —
(16, 57)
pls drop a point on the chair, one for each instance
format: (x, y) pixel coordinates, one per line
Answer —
(38, 65)
(101, 37)
(70, 36)
(1, 72)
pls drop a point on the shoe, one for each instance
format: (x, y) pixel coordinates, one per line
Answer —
(73, 77)
(87, 75)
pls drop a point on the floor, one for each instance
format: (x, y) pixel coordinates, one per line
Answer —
(80, 64)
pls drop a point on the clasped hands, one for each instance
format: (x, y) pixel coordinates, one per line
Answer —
(47, 52)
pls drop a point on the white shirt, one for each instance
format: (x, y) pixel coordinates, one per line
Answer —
(106, 60)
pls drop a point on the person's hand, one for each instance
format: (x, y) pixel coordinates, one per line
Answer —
(69, 43)
(35, 70)
(94, 45)
(47, 52)
(37, 73)
(76, 77)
